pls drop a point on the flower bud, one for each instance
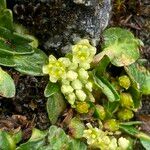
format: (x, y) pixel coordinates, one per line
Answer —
(83, 75)
(76, 84)
(80, 95)
(124, 81)
(89, 86)
(82, 107)
(71, 98)
(65, 82)
(66, 89)
(71, 75)
(125, 114)
(123, 143)
(111, 125)
(126, 100)
(100, 112)
(85, 66)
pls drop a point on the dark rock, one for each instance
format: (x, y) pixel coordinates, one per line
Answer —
(59, 23)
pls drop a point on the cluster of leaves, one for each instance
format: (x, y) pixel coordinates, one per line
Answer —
(116, 98)
(54, 138)
(17, 50)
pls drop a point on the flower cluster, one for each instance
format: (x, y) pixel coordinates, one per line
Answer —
(72, 72)
(99, 139)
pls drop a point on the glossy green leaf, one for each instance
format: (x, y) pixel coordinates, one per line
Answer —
(120, 46)
(6, 142)
(102, 65)
(7, 86)
(6, 19)
(31, 64)
(14, 37)
(2, 4)
(145, 143)
(51, 89)
(76, 127)
(106, 88)
(6, 59)
(9, 48)
(140, 77)
(55, 106)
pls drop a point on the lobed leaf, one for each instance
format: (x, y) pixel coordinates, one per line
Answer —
(120, 46)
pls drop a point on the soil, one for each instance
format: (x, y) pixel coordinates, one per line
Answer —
(29, 101)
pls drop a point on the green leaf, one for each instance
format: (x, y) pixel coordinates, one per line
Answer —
(6, 142)
(101, 68)
(120, 46)
(7, 86)
(106, 88)
(77, 145)
(6, 59)
(6, 19)
(36, 141)
(76, 127)
(111, 108)
(140, 77)
(51, 89)
(10, 48)
(31, 64)
(129, 129)
(13, 37)
(2, 4)
(55, 106)
(32, 144)
(145, 143)
(57, 139)
(17, 137)
(136, 97)
(131, 123)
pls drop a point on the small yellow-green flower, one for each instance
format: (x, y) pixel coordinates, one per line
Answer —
(71, 75)
(76, 84)
(83, 74)
(111, 125)
(71, 98)
(126, 100)
(82, 107)
(80, 95)
(123, 143)
(97, 138)
(89, 86)
(83, 52)
(66, 89)
(124, 81)
(56, 68)
(125, 114)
